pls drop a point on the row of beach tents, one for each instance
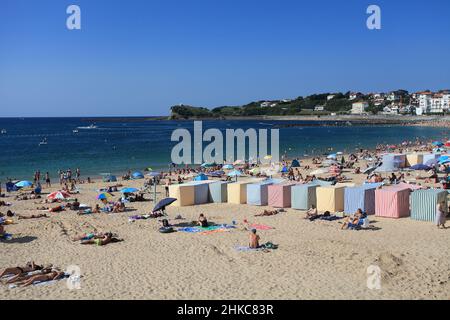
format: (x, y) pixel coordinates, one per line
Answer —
(397, 201)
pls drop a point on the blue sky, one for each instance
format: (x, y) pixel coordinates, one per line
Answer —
(139, 57)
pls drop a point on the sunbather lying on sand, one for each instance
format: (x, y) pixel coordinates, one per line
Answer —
(267, 213)
(89, 236)
(29, 267)
(56, 209)
(107, 238)
(54, 274)
(37, 216)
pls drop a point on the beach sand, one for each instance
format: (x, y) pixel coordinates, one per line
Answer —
(315, 260)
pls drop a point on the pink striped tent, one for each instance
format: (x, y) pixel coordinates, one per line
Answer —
(392, 202)
(280, 195)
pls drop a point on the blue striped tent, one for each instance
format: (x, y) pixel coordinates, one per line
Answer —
(257, 193)
(361, 197)
(424, 203)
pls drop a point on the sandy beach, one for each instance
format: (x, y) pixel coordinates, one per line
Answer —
(315, 260)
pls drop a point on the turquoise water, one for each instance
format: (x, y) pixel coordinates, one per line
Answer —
(116, 146)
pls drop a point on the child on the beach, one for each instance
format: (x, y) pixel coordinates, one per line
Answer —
(254, 240)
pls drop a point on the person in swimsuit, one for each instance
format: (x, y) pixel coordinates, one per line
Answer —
(29, 267)
(202, 221)
(21, 217)
(312, 212)
(88, 236)
(107, 238)
(440, 215)
(254, 240)
(50, 276)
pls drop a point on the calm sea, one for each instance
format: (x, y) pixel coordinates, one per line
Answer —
(116, 146)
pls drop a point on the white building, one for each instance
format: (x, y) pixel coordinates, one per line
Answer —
(424, 99)
(431, 102)
(359, 107)
(319, 108)
(392, 96)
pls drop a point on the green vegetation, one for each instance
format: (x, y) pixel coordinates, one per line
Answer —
(316, 104)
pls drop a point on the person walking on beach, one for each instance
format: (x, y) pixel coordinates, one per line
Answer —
(47, 180)
(168, 183)
(78, 174)
(440, 215)
(254, 240)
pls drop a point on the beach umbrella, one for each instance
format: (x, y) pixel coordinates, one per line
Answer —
(137, 175)
(443, 158)
(235, 173)
(444, 161)
(370, 170)
(295, 164)
(332, 156)
(216, 173)
(437, 144)
(129, 190)
(208, 165)
(104, 196)
(393, 146)
(320, 171)
(58, 195)
(201, 177)
(161, 205)
(421, 167)
(432, 162)
(153, 174)
(24, 184)
(228, 167)
(447, 144)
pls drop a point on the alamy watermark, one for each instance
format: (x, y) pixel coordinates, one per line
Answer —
(190, 150)
(374, 20)
(73, 22)
(73, 282)
(374, 277)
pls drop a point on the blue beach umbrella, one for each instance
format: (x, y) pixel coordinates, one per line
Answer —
(421, 167)
(432, 162)
(438, 144)
(137, 175)
(208, 165)
(228, 167)
(201, 177)
(235, 173)
(24, 184)
(129, 190)
(443, 159)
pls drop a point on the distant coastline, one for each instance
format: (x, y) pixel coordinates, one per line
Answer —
(317, 120)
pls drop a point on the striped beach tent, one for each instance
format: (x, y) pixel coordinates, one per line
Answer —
(424, 203)
(392, 202)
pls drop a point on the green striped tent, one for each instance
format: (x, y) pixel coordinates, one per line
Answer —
(424, 202)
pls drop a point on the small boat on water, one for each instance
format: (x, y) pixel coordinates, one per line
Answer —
(4, 131)
(75, 131)
(43, 142)
(92, 126)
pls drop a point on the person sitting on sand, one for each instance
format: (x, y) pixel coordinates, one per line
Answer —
(254, 239)
(29, 267)
(354, 220)
(96, 209)
(74, 205)
(312, 212)
(107, 238)
(202, 221)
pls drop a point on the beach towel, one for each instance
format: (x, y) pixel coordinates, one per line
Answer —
(247, 249)
(260, 227)
(39, 283)
(190, 229)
